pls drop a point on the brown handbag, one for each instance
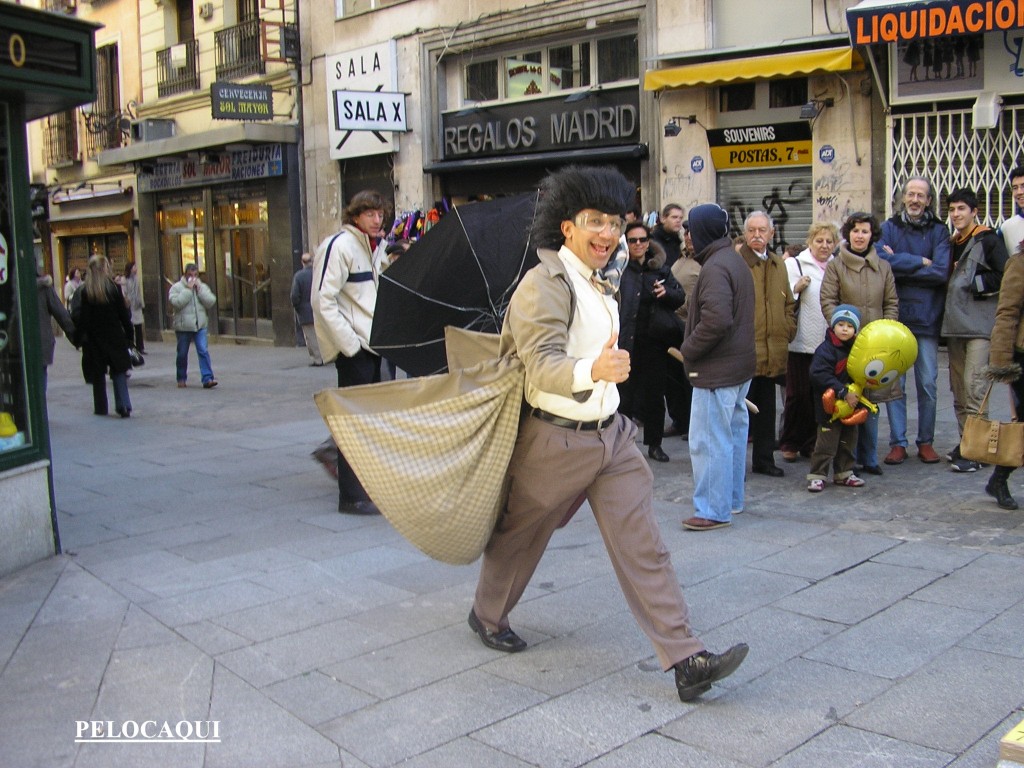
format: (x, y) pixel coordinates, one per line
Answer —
(993, 442)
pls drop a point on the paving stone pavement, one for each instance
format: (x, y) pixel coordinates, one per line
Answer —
(207, 577)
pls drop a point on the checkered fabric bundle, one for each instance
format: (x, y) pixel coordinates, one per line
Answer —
(433, 452)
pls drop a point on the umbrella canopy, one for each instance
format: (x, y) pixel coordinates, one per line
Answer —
(462, 272)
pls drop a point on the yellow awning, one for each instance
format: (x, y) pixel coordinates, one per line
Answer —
(755, 68)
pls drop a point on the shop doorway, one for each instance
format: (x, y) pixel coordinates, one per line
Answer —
(242, 258)
(783, 193)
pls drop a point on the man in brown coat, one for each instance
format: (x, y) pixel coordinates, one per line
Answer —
(774, 328)
(563, 323)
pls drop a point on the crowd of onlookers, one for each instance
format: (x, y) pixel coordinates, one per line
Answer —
(955, 282)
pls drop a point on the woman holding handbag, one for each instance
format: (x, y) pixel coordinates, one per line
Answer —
(1005, 358)
(648, 326)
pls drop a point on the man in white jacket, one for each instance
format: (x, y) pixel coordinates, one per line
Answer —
(344, 293)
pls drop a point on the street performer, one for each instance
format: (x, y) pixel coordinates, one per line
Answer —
(562, 322)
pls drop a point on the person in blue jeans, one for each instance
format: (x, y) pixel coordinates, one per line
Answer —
(190, 298)
(916, 245)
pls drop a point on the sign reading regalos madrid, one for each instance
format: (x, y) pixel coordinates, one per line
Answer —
(363, 103)
(890, 23)
(603, 119)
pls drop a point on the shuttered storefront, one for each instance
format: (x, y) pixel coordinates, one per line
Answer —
(785, 194)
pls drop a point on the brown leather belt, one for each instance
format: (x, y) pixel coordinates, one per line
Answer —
(559, 421)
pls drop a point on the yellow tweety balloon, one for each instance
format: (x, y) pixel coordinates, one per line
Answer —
(882, 352)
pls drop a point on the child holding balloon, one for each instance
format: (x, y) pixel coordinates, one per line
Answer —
(836, 441)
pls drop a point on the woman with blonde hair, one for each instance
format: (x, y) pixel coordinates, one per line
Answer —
(806, 271)
(103, 329)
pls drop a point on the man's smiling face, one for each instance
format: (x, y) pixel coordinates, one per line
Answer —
(593, 236)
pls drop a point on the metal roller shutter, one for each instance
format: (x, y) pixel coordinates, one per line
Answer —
(785, 194)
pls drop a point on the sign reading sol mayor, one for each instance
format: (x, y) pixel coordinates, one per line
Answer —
(888, 24)
(761, 146)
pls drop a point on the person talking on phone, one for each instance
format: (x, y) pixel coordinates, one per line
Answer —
(648, 325)
(191, 298)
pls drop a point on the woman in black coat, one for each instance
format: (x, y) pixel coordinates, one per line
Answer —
(648, 298)
(103, 328)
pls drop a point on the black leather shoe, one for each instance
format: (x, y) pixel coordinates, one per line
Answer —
(768, 469)
(874, 469)
(366, 507)
(506, 640)
(656, 453)
(996, 486)
(695, 675)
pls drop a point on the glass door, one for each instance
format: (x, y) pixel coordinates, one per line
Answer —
(243, 263)
(182, 242)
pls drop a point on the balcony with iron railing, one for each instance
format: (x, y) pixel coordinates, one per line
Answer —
(241, 50)
(177, 69)
(103, 130)
(60, 135)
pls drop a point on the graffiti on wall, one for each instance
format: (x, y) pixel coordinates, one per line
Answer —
(831, 198)
(779, 204)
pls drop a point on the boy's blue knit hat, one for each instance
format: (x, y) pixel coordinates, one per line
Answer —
(846, 312)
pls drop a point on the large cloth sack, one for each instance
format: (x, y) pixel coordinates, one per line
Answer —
(433, 452)
(992, 442)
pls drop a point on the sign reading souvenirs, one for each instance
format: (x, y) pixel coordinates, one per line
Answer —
(761, 146)
(255, 163)
(369, 111)
(894, 22)
(604, 118)
(362, 87)
(230, 101)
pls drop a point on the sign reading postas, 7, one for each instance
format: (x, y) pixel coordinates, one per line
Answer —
(761, 146)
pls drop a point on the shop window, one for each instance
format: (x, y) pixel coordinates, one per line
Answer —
(737, 97)
(78, 249)
(570, 66)
(15, 432)
(524, 74)
(787, 93)
(618, 58)
(482, 81)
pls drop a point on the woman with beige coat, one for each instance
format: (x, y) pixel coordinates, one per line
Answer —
(859, 277)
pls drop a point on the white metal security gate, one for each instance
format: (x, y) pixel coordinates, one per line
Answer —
(944, 148)
(783, 193)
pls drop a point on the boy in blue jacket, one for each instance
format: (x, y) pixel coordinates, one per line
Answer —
(836, 442)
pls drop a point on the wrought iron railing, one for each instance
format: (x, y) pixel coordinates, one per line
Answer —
(240, 50)
(103, 130)
(60, 133)
(177, 69)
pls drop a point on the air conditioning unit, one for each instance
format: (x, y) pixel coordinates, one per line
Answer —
(152, 129)
(178, 56)
(205, 10)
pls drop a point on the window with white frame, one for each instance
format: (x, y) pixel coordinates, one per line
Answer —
(544, 70)
(344, 8)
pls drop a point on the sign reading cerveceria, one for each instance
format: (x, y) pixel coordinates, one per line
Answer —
(761, 146)
(942, 18)
(231, 101)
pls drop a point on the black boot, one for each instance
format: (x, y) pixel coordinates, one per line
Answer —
(997, 487)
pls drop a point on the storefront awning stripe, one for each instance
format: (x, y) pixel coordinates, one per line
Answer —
(755, 68)
(894, 21)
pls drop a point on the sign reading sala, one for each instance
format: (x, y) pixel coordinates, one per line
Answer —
(602, 119)
(231, 101)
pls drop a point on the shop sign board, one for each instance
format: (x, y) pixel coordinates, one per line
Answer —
(257, 162)
(365, 78)
(602, 119)
(761, 146)
(231, 101)
(873, 22)
(369, 111)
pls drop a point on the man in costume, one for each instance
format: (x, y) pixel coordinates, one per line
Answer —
(562, 322)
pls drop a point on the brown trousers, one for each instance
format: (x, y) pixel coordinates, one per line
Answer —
(550, 468)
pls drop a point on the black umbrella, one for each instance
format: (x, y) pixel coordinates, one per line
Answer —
(462, 272)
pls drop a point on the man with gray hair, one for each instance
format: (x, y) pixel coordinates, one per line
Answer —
(774, 328)
(916, 245)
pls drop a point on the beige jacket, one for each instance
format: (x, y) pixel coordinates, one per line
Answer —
(1008, 331)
